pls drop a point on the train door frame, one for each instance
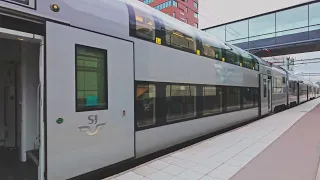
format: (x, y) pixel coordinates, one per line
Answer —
(29, 37)
(265, 95)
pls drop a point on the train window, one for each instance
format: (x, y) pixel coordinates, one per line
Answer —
(91, 75)
(212, 52)
(255, 65)
(248, 97)
(240, 55)
(256, 97)
(212, 100)
(181, 102)
(142, 24)
(247, 62)
(232, 57)
(211, 48)
(233, 98)
(277, 85)
(180, 40)
(145, 104)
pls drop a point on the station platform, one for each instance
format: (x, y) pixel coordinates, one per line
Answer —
(282, 146)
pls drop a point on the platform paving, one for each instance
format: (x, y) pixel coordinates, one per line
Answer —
(237, 154)
(294, 155)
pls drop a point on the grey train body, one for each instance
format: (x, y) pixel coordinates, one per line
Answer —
(167, 83)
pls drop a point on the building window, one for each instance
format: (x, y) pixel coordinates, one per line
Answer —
(195, 4)
(186, 9)
(196, 25)
(242, 30)
(292, 18)
(218, 32)
(196, 15)
(148, 1)
(181, 102)
(164, 5)
(91, 75)
(174, 14)
(186, 20)
(212, 100)
(145, 104)
(175, 3)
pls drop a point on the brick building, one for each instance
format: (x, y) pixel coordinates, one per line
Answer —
(184, 10)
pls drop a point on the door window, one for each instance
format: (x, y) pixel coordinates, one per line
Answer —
(91, 75)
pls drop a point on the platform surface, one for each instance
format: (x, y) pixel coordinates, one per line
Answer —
(282, 146)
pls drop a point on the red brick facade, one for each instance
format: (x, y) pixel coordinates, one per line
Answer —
(186, 10)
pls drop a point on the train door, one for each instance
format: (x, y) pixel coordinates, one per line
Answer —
(265, 94)
(90, 101)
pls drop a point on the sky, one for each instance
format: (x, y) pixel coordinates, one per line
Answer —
(215, 12)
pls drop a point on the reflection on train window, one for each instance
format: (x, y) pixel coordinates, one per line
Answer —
(212, 100)
(247, 62)
(248, 97)
(91, 74)
(181, 102)
(145, 27)
(255, 65)
(277, 85)
(233, 98)
(232, 57)
(145, 104)
(212, 52)
(256, 97)
(179, 40)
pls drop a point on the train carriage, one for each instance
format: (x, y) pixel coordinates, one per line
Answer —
(92, 84)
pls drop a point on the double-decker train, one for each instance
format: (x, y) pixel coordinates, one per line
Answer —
(88, 84)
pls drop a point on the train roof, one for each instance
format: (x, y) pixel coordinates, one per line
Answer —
(113, 17)
(260, 60)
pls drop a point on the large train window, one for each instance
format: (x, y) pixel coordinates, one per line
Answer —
(145, 104)
(142, 24)
(232, 57)
(181, 102)
(248, 97)
(247, 61)
(233, 98)
(211, 48)
(212, 100)
(91, 79)
(177, 39)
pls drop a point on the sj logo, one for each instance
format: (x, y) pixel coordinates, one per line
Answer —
(93, 126)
